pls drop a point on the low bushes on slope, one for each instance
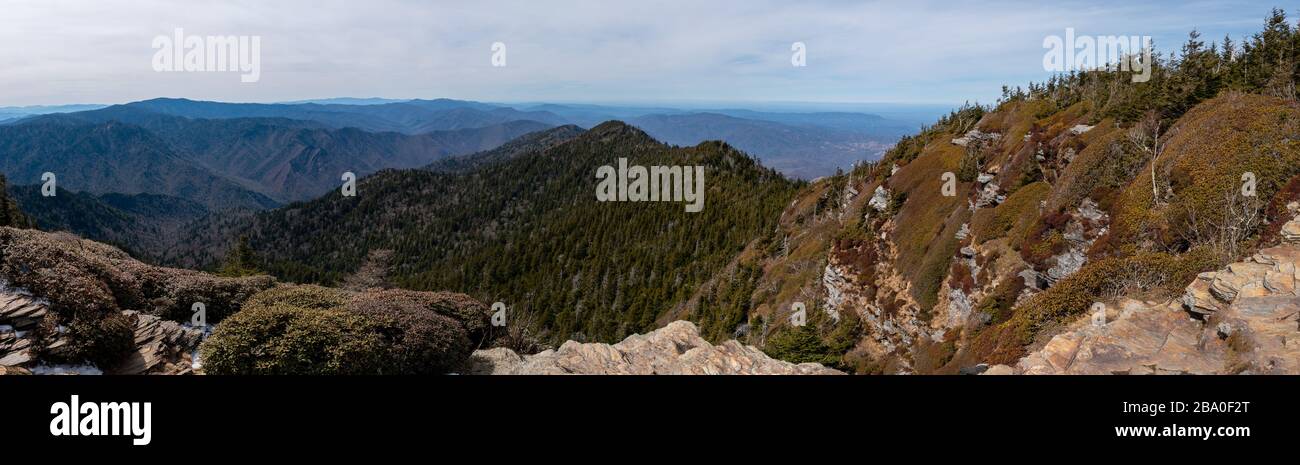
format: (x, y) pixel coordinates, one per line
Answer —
(1011, 216)
(927, 223)
(282, 339)
(89, 284)
(80, 275)
(313, 330)
(472, 315)
(1200, 177)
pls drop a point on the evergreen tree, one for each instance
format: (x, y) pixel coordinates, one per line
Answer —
(241, 261)
(10, 214)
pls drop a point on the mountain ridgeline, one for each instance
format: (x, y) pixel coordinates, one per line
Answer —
(286, 159)
(232, 159)
(524, 228)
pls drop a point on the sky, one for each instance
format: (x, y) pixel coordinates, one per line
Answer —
(705, 52)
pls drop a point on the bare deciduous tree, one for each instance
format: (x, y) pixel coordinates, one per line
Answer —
(518, 334)
(1226, 233)
(1145, 135)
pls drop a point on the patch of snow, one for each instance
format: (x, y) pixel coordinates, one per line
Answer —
(196, 361)
(8, 288)
(64, 369)
(964, 232)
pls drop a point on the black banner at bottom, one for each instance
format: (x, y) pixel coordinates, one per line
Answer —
(229, 414)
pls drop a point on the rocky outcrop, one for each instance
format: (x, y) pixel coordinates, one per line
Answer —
(879, 199)
(676, 349)
(1242, 319)
(975, 135)
(1137, 338)
(162, 347)
(835, 283)
(19, 314)
(1086, 225)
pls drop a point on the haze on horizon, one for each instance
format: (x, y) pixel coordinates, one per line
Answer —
(577, 51)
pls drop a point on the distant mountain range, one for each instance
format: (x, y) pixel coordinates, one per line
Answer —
(132, 174)
(14, 113)
(807, 150)
(801, 144)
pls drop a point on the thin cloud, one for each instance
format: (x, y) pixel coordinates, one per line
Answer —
(907, 51)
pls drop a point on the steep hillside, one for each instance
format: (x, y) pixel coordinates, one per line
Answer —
(979, 239)
(523, 145)
(11, 213)
(142, 224)
(114, 158)
(292, 164)
(1245, 319)
(528, 231)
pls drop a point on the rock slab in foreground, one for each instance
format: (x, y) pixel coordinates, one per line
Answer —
(676, 349)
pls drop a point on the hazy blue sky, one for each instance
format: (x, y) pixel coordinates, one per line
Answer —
(97, 51)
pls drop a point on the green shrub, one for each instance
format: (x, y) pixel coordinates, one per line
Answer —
(822, 340)
(1015, 214)
(103, 341)
(288, 340)
(800, 344)
(307, 296)
(472, 315)
(419, 341)
(293, 329)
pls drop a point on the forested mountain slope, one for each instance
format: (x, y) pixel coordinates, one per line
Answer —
(529, 232)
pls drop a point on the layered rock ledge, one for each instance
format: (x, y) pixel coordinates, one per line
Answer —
(676, 349)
